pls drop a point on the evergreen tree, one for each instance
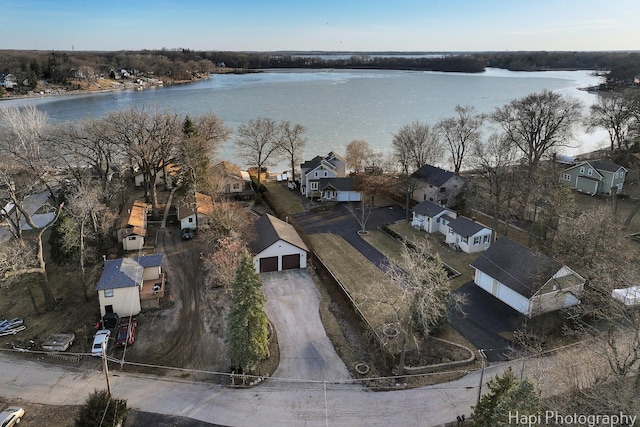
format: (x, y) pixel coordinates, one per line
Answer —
(506, 394)
(101, 409)
(247, 318)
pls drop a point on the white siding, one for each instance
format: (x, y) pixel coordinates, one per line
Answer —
(125, 301)
(188, 222)
(502, 292)
(132, 243)
(279, 249)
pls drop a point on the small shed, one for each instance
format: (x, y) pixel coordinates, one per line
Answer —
(277, 246)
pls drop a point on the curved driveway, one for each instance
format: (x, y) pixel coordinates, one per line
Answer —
(306, 353)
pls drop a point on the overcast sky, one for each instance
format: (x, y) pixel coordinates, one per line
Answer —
(348, 25)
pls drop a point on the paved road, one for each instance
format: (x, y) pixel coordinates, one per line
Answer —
(272, 403)
(306, 352)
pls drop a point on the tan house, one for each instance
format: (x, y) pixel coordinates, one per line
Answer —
(131, 228)
(233, 183)
(196, 214)
(127, 285)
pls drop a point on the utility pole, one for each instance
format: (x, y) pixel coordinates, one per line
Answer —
(482, 357)
(105, 367)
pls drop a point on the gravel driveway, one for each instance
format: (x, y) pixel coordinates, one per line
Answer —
(306, 352)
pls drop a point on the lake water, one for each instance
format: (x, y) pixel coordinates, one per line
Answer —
(336, 106)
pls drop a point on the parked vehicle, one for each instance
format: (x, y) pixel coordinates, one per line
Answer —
(11, 416)
(102, 336)
(187, 234)
(126, 332)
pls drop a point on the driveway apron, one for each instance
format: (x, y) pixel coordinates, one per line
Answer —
(306, 353)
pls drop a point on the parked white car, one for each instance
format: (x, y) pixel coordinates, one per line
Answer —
(102, 336)
(11, 416)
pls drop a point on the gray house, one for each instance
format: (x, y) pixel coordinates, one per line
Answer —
(436, 185)
(527, 281)
(317, 169)
(594, 177)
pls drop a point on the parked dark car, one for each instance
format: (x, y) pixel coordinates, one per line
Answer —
(187, 234)
(110, 321)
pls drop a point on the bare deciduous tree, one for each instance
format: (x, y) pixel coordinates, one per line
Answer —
(356, 154)
(460, 133)
(293, 143)
(617, 114)
(538, 123)
(259, 141)
(150, 138)
(416, 145)
(495, 161)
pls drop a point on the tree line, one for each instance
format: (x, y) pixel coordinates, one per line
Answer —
(66, 68)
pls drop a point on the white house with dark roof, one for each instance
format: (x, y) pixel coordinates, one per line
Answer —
(595, 177)
(436, 185)
(527, 281)
(129, 284)
(468, 235)
(278, 246)
(432, 217)
(339, 190)
(320, 167)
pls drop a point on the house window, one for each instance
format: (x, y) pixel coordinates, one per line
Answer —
(581, 169)
(325, 173)
(450, 230)
(236, 186)
(476, 240)
(314, 185)
(616, 175)
(108, 293)
(431, 199)
(590, 172)
(190, 219)
(566, 176)
(485, 239)
(465, 239)
(621, 174)
(443, 189)
(424, 197)
(131, 238)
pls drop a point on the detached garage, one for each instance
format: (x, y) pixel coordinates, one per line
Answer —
(278, 246)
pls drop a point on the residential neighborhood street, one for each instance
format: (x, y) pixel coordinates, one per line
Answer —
(271, 403)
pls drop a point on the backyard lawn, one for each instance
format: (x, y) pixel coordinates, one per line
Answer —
(285, 200)
(374, 294)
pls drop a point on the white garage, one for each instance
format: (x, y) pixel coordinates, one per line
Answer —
(278, 246)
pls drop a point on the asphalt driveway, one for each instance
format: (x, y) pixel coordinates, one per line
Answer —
(306, 353)
(341, 222)
(486, 319)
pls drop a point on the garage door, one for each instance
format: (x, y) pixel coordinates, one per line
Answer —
(268, 264)
(290, 261)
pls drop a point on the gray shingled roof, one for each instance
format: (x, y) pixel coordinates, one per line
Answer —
(150, 260)
(341, 184)
(120, 273)
(605, 164)
(520, 268)
(428, 208)
(433, 175)
(126, 272)
(465, 227)
(270, 229)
